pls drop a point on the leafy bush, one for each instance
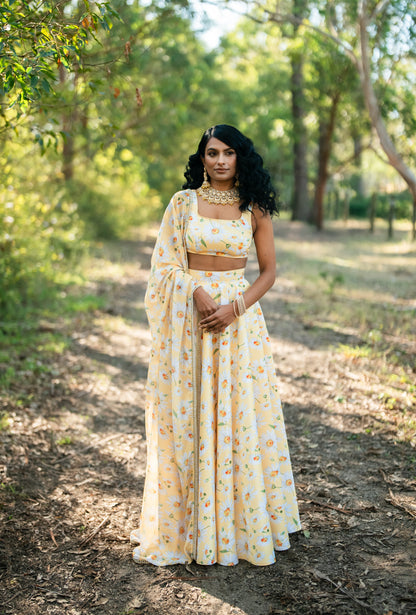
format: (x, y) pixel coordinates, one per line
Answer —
(360, 205)
(112, 194)
(37, 236)
(46, 223)
(402, 202)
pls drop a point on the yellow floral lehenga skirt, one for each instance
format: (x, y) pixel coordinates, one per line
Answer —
(234, 497)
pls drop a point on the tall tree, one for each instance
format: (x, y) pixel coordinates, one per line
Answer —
(399, 15)
(255, 95)
(332, 83)
(376, 36)
(300, 198)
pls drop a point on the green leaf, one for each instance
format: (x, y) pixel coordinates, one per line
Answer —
(46, 33)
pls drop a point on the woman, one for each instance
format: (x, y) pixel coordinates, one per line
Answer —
(219, 484)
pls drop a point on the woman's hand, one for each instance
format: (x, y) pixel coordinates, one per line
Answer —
(204, 303)
(219, 320)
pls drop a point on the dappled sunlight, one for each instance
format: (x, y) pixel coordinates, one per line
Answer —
(102, 104)
(405, 248)
(349, 413)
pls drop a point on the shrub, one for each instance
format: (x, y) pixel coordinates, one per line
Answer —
(37, 236)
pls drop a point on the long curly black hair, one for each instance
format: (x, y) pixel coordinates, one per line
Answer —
(255, 186)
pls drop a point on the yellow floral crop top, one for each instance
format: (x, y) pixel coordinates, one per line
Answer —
(231, 238)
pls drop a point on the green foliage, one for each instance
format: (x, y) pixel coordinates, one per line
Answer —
(7, 376)
(333, 280)
(360, 205)
(64, 441)
(4, 421)
(117, 117)
(356, 352)
(83, 303)
(37, 38)
(37, 235)
(112, 194)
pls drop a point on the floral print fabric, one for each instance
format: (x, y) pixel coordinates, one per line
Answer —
(219, 485)
(231, 238)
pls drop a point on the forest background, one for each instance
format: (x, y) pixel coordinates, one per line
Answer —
(102, 103)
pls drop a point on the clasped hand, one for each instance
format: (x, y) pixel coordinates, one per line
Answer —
(214, 317)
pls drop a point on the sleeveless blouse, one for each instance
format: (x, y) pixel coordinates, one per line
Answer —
(218, 237)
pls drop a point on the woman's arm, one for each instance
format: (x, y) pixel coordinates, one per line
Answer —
(266, 258)
(264, 242)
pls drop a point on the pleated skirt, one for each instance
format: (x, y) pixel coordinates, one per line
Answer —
(244, 504)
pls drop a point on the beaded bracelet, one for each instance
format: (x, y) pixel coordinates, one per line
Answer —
(239, 306)
(234, 309)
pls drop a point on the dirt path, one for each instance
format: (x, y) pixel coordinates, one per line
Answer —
(73, 465)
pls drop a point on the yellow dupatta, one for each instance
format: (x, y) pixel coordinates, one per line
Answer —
(172, 421)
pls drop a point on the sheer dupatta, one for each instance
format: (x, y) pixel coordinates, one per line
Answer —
(172, 420)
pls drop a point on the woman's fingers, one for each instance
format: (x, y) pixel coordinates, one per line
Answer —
(219, 320)
(204, 303)
(207, 319)
(207, 313)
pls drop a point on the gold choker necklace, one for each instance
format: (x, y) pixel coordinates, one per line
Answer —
(218, 197)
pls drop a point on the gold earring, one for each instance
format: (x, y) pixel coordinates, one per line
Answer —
(236, 183)
(205, 183)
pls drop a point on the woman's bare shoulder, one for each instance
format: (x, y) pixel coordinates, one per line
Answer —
(259, 218)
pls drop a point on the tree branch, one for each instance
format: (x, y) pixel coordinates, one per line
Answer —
(379, 8)
(351, 158)
(283, 18)
(364, 69)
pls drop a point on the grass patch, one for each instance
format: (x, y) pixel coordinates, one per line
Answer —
(4, 421)
(356, 352)
(83, 304)
(7, 376)
(356, 281)
(65, 441)
(350, 284)
(30, 345)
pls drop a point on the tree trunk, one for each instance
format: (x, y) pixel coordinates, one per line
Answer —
(392, 205)
(68, 118)
(364, 70)
(326, 131)
(300, 199)
(372, 212)
(358, 148)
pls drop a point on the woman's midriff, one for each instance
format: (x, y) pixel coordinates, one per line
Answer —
(208, 262)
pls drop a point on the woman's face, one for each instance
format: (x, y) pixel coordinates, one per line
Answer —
(220, 161)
